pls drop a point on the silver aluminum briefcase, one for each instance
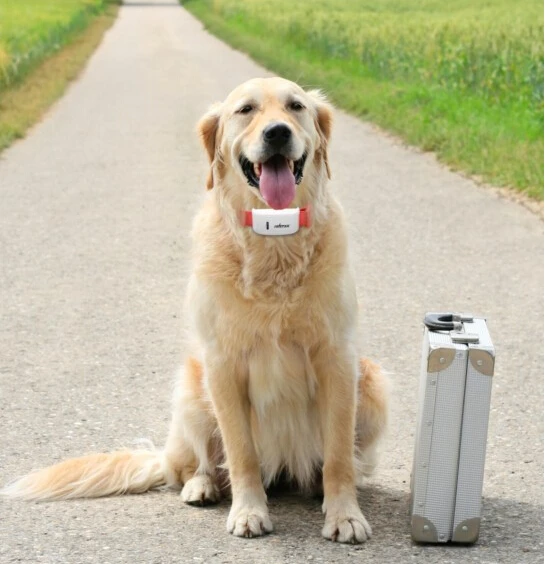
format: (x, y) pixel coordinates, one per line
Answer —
(452, 424)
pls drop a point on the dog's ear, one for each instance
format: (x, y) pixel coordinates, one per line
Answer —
(324, 121)
(208, 131)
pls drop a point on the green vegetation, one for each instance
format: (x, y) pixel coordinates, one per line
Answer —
(462, 78)
(43, 45)
(30, 30)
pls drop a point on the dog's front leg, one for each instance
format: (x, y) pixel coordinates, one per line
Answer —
(228, 384)
(337, 375)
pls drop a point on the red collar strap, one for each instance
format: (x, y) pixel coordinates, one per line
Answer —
(277, 222)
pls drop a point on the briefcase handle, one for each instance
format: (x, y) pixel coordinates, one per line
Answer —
(446, 321)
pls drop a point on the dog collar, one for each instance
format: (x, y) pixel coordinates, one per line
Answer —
(276, 222)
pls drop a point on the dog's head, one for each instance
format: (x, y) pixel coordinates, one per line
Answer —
(267, 143)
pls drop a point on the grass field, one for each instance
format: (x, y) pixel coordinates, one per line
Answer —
(30, 30)
(462, 78)
(43, 45)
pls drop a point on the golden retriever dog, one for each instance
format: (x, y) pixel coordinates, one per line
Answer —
(275, 387)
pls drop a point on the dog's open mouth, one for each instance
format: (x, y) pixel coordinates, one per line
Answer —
(275, 178)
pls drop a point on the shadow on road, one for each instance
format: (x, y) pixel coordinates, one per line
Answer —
(508, 527)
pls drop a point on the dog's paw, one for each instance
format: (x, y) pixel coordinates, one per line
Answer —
(200, 490)
(346, 525)
(249, 521)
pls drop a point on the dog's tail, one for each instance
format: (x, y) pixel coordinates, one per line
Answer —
(95, 475)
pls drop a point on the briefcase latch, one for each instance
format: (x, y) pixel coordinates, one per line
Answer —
(463, 337)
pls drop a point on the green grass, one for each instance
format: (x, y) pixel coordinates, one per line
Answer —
(31, 30)
(43, 46)
(462, 78)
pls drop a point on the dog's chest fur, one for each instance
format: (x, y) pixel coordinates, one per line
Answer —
(277, 269)
(282, 383)
(285, 425)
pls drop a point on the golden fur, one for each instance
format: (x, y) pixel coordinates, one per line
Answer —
(278, 387)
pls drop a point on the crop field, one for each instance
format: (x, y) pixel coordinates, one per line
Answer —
(30, 30)
(463, 78)
(43, 46)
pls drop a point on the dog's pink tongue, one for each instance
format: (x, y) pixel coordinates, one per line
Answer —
(277, 183)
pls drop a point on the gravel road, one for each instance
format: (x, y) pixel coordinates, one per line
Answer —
(96, 206)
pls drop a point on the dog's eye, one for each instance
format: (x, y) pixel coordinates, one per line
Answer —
(245, 109)
(296, 106)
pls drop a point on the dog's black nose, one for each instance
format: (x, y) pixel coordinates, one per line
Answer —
(277, 134)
